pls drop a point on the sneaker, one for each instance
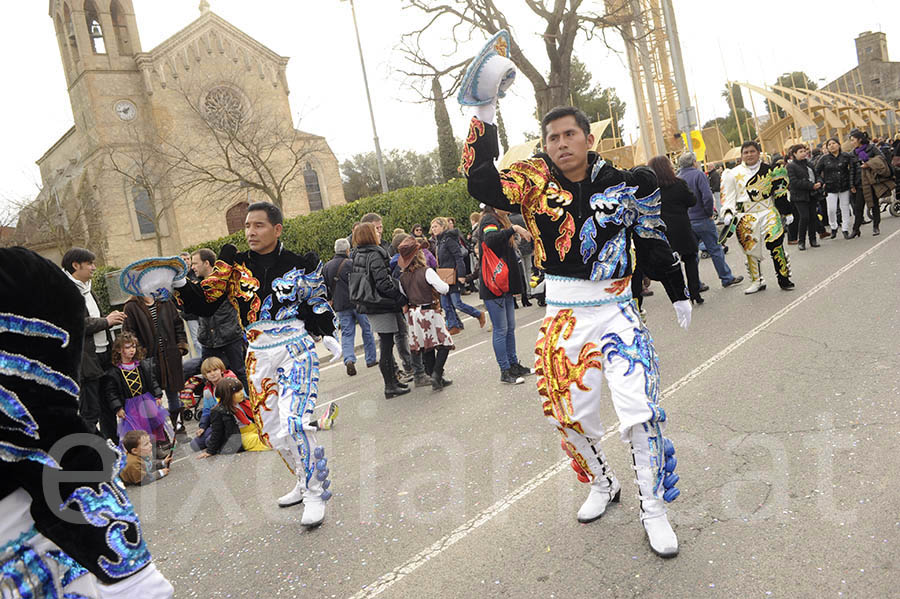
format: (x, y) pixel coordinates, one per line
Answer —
(405, 376)
(351, 368)
(733, 281)
(875, 232)
(703, 287)
(179, 429)
(510, 379)
(519, 370)
(422, 380)
(326, 422)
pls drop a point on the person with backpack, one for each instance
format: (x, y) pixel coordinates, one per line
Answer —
(498, 285)
(337, 279)
(449, 256)
(875, 177)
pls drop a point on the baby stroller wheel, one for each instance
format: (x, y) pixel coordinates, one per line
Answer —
(187, 415)
(894, 208)
(198, 411)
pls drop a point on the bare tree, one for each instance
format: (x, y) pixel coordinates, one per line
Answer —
(148, 172)
(46, 221)
(424, 73)
(564, 20)
(243, 145)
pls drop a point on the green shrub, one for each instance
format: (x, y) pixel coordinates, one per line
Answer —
(98, 286)
(401, 208)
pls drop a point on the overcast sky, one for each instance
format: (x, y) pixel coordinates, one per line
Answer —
(721, 40)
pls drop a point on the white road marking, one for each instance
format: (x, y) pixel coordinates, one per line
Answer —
(387, 580)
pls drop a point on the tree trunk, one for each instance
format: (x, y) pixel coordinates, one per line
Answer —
(501, 132)
(447, 153)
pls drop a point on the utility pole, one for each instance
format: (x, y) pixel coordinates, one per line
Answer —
(687, 114)
(384, 185)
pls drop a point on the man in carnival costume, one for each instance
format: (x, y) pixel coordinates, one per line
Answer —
(67, 528)
(590, 222)
(753, 193)
(280, 298)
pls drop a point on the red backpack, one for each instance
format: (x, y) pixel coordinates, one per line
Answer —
(494, 271)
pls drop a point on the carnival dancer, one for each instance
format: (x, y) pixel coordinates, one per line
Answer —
(67, 528)
(753, 193)
(589, 221)
(280, 298)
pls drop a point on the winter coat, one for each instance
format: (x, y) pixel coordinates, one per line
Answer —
(221, 329)
(799, 183)
(698, 184)
(116, 391)
(141, 471)
(373, 263)
(449, 254)
(166, 355)
(91, 364)
(837, 173)
(497, 238)
(225, 435)
(676, 199)
(876, 180)
(336, 273)
(715, 180)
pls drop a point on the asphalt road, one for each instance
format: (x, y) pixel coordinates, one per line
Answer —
(783, 407)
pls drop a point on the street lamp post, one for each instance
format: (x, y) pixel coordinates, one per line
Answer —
(384, 186)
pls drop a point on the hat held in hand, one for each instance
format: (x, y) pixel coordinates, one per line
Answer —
(152, 277)
(489, 74)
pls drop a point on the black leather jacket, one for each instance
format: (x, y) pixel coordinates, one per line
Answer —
(372, 262)
(220, 329)
(836, 173)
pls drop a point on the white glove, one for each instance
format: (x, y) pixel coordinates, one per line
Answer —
(179, 283)
(788, 219)
(149, 583)
(683, 313)
(332, 345)
(728, 218)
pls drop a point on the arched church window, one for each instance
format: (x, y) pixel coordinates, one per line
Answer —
(121, 28)
(225, 108)
(95, 32)
(234, 218)
(143, 209)
(313, 191)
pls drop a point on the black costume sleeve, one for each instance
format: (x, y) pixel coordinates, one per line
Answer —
(655, 257)
(780, 190)
(205, 297)
(316, 323)
(480, 150)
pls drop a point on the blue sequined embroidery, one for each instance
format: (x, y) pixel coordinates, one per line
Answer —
(109, 508)
(12, 406)
(14, 453)
(72, 570)
(266, 312)
(639, 351)
(33, 370)
(32, 327)
(588, 237)
(302, 383)
(612, 261)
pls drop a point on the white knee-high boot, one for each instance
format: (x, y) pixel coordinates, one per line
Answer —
(605, 489)
(654, 465)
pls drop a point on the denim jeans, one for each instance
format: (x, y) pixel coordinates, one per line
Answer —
(706, 230)
(348, 319)
(503, 319)
(451, 302)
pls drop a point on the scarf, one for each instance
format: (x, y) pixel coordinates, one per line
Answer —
(100, 340)
(861, 153)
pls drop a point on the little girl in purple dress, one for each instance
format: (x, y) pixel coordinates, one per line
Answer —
(133, 393)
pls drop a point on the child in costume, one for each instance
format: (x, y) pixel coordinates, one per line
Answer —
(428, 333)
(131, 391)
(140, 467)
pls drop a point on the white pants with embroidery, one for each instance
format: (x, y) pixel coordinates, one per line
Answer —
(283, 372)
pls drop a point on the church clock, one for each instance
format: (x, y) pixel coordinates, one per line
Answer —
(125, 110)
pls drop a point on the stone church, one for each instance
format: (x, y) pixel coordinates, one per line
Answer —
(169, 145)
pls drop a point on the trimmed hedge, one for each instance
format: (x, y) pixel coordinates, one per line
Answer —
(401, 208)
(317, 231)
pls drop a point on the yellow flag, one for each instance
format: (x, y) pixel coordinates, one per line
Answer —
(697, 141)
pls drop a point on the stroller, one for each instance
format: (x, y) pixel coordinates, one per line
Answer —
(191, 397)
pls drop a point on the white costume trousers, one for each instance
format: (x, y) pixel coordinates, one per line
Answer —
(283, 372)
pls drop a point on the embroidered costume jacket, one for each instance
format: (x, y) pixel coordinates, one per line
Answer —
(591, 229)
(744, 192)
(277, 286)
